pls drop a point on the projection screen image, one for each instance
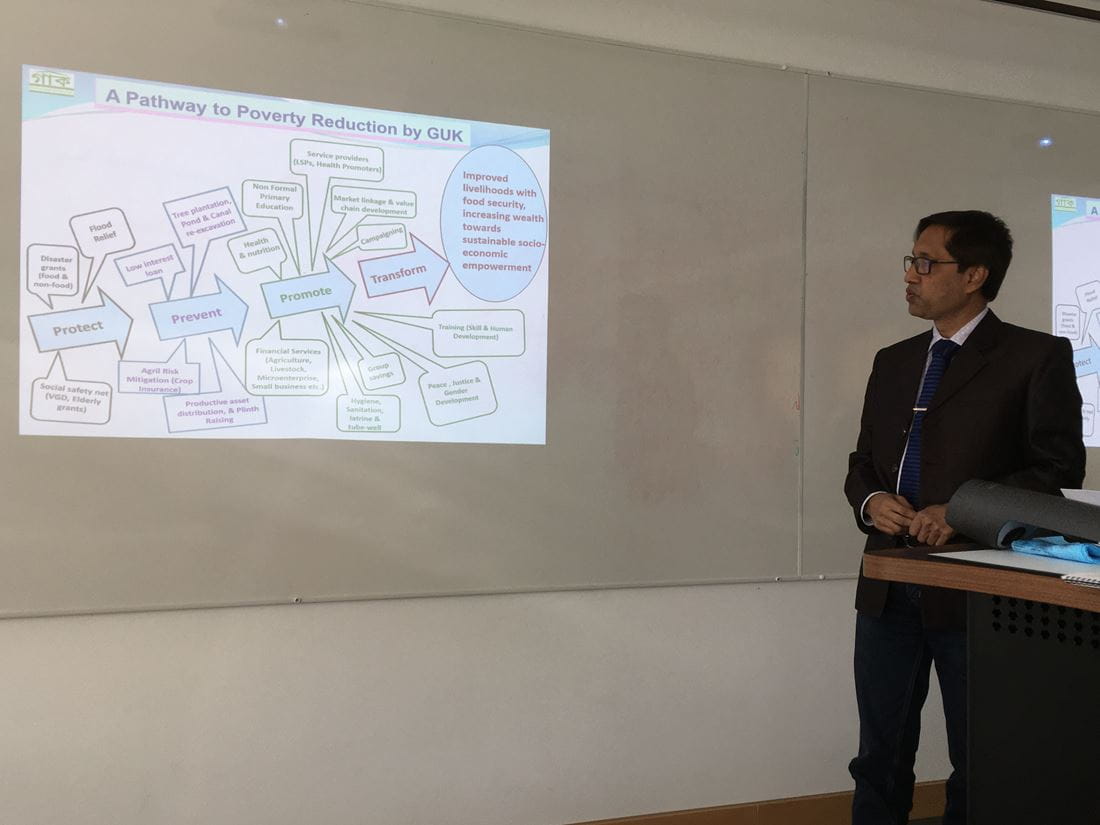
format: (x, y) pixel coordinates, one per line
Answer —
(207, 264)
(1075, 223)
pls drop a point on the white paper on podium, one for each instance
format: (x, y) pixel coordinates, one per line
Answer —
(1087, 496)
(1024, 561)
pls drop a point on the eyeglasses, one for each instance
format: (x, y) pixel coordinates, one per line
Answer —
(923, 265)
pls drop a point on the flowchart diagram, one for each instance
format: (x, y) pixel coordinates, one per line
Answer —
(210, 264)
(1075, 223)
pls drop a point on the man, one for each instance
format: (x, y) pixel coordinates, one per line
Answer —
(971, 398)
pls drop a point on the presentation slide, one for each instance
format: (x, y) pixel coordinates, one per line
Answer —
(1075, 226)
(206, 264)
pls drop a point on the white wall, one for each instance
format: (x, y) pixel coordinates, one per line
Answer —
(530, 709)
(545, 708)
(968, 46)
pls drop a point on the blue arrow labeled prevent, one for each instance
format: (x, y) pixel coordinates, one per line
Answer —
(423, 268)
(310, 293)
(201, 314)
(82, 327)
(1087, 360)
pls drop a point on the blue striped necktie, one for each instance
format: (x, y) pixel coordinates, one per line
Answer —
(909, 480)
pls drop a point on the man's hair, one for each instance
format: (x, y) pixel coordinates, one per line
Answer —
(975, 238)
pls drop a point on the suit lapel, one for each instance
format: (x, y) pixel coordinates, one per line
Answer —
(968, 361)
(911, 370)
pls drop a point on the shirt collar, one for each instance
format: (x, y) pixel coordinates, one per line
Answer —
(964, 331)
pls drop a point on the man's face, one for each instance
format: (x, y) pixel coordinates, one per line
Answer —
(943, 292)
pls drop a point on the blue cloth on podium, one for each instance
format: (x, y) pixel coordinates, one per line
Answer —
(1059, 547)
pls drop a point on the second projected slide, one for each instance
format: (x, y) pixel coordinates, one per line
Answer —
(206, 264)
(1075, 221)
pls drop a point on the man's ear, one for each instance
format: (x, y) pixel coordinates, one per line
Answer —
(975, 277)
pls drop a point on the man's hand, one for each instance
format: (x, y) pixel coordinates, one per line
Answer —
(890, 514)
(929, 527)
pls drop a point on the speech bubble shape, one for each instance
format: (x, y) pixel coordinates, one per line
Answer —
(160, 263)
(201, 218)
(99, 234)
(60, 398)
(1088, 297)
(458, 393)
(330, 159)
(486, 332)
(380, 371)
(371, 237)
(1067, 321)
(368, 413)
(376, 237)
(271, 199)
(464, 333)
(282, 200)
(318, 161)
(366, 202)
(52, 270)
(493, 220)
(176, 376)
(230, 406)
(258, 250)
(274, 365)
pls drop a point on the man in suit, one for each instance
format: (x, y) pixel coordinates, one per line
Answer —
(973, 397)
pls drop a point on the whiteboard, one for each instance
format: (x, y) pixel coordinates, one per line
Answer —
(674, 342)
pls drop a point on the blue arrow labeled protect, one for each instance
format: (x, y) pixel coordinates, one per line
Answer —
(84, 327)
(201, 314)
(1086, 361)
(310, 293)
(423, 268)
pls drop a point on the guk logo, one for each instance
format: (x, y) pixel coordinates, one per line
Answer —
(52, 82)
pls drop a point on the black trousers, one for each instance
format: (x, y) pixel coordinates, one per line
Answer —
(893, 657)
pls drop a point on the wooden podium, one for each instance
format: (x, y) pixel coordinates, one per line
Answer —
(1033, 685)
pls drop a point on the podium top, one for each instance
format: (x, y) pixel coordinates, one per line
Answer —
(935, 567)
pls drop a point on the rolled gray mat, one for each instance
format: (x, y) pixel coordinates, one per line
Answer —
(995, 515)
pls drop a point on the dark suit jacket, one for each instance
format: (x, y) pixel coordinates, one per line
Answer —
(1007, 410)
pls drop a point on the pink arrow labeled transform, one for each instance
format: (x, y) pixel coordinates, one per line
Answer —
(423, 268)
